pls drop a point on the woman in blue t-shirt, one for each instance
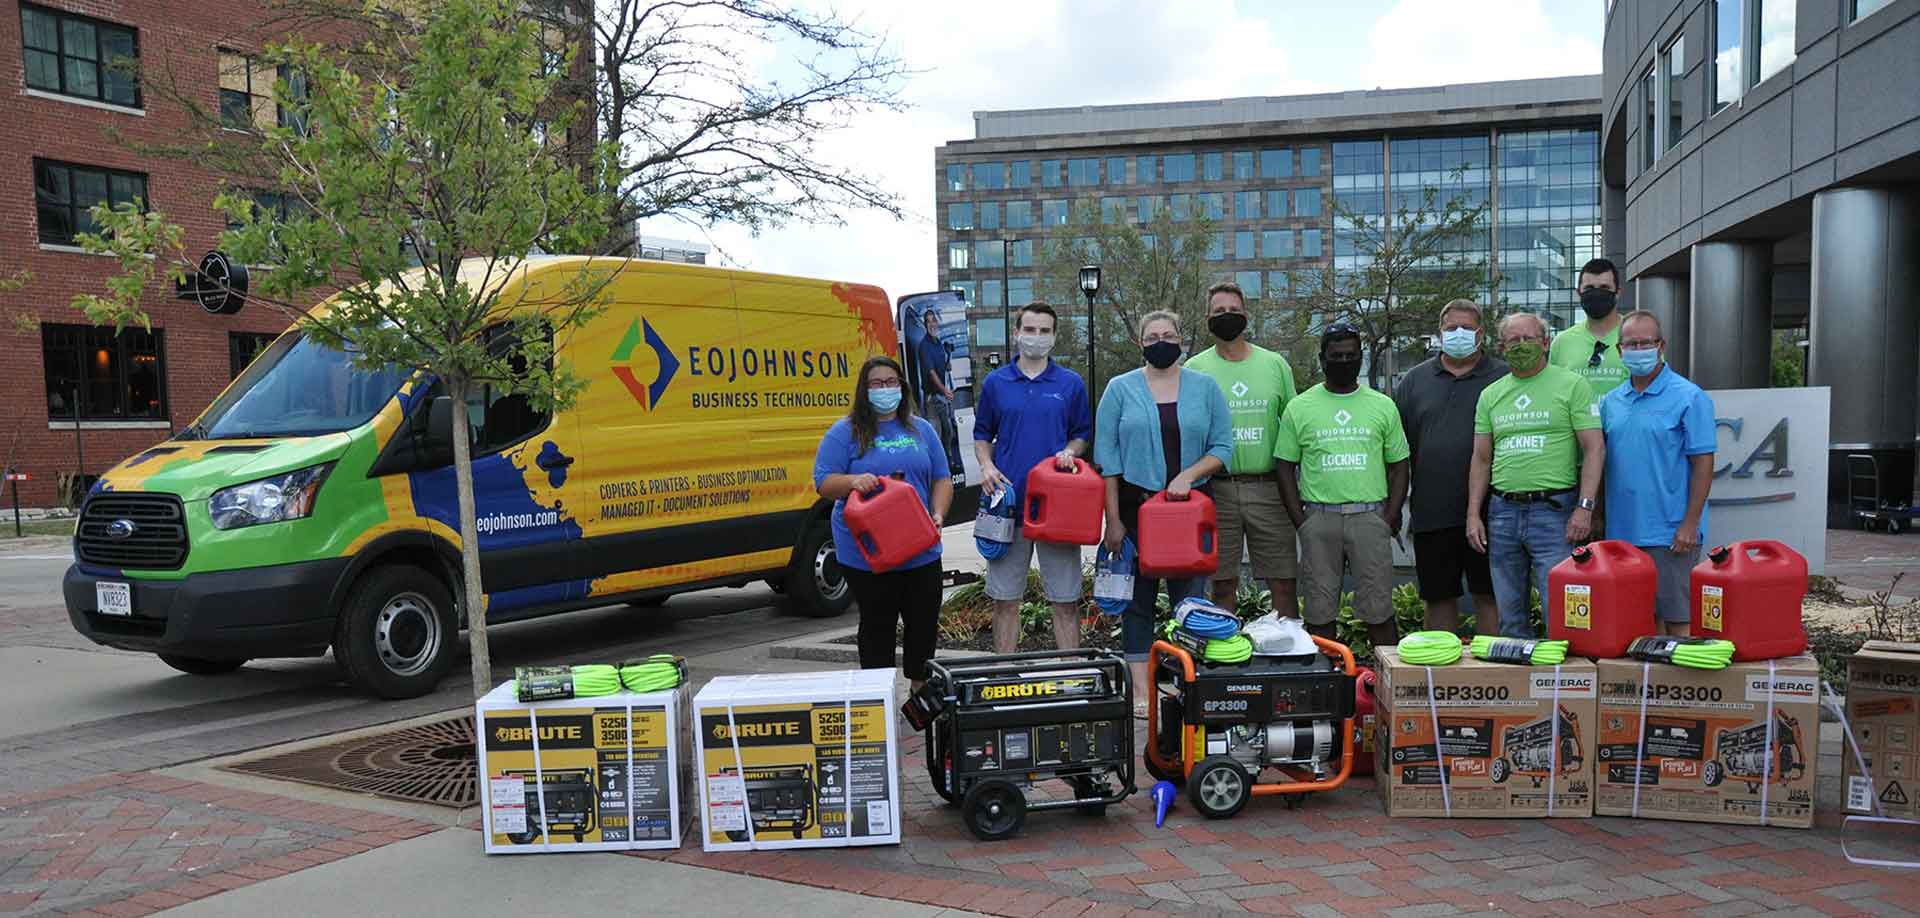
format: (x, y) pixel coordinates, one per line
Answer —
(881, 438)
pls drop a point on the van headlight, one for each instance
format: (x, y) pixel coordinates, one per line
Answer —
(269, 500)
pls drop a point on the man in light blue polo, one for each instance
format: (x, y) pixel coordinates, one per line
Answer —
(1660, 440)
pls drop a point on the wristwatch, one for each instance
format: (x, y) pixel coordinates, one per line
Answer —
(1586, 503)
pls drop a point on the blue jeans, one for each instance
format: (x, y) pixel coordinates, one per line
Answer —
(1136, 626)
(1523, 539)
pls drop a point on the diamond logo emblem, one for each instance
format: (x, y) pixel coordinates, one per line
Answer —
(1341, 417)
(1522, 402)
(1239, 390)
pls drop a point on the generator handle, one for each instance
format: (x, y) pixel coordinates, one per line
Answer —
(1336, 649)
(1166, 648)
(1026, 662)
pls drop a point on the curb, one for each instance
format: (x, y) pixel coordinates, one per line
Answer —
(820, 647)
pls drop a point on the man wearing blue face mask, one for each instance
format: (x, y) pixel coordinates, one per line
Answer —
(1660, 441)
(1436, 401)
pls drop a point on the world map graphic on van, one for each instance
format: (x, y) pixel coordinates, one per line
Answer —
(648, 395)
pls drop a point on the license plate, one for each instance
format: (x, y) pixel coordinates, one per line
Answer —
(113, 598)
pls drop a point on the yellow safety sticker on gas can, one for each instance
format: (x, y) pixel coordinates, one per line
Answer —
(1711, 600)
(1579, 606)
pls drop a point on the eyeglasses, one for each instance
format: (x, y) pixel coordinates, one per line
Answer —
(1639, 344)
(883, 383)
(1599, 351)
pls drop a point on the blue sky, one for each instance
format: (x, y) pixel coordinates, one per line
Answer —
(1005, 54)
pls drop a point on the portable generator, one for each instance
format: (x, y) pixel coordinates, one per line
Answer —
(1743, 754)
(780, 799)
(569, 803)
(1218, 727)
(1530, 749)
(997, 725)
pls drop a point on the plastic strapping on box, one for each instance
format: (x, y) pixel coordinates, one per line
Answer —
(1640, 741)
(739, 770)
(1831, 699)
(846, 760)
(1766, 760)
(1553, 770)
(627, 783)
(539, 780)
(1439, 750)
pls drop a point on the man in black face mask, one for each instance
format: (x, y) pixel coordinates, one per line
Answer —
(1592, 348)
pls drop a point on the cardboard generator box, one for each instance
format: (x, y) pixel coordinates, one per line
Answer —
(1484, 739)
(580, 774)
(1735, 746)
(801, 760)
(1883, 708)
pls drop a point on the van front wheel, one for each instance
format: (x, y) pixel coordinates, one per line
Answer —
(397, 633)
(815, 582)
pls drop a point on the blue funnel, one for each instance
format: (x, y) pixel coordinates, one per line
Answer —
(1162, 794)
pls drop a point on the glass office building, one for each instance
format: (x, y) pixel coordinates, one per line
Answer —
(1270, 173)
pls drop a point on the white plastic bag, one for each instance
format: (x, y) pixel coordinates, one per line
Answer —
(1274, 636)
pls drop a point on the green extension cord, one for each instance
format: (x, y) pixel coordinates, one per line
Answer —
(1236, 649)
(1430, 648)
(1698, 653)
(1509, 650)
(595, 679)
(657, 673)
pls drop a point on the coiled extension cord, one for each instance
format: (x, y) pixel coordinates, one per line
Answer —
(1507, 650)
(656, 673)
(1430, 648)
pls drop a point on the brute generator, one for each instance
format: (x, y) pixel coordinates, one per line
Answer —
(997, 725)
(1218, 727)
(780, 799)
(1530, 749)
(569, 803)
(1743, 753)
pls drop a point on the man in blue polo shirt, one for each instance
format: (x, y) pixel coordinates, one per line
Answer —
(1029, 412)
(1660, 441)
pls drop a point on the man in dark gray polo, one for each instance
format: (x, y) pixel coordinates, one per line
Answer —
(1436, 401)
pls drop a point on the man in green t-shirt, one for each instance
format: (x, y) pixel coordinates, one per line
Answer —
(1536, 435)
(1591, 348)
(1344, 443)
(1258, 384)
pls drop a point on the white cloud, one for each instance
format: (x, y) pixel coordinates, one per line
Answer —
(1426, 43)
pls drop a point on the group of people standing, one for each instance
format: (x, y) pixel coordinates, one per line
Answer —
(1504, 459)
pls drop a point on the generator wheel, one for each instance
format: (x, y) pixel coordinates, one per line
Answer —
(994, 809)
(1712, 773)
(1220, 787)
(1500, 771)
(1177, 775)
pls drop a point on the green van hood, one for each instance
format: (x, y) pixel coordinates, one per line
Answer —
(194, 469)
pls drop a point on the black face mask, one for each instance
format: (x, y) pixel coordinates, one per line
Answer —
(1598, 302)
(1161, 354)
(1227, 325)
(1341, 373)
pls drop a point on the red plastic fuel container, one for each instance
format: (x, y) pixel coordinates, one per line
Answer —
(1601, 598)
(1749, 593)
(890, 526)
(1178, 538)
(1065, 507)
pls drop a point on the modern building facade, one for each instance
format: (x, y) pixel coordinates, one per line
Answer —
(1762, 171)
(1268, 171)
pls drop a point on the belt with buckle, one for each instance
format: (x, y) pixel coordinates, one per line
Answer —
(1257, 477)
(1369, 507)
(1528, 497)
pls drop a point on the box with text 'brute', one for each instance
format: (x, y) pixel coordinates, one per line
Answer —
(1883, 708)
(1730, 745)
(801, 760)
(1480, 739)
(579, 774)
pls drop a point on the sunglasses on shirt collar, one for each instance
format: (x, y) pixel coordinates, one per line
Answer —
(1599, 351)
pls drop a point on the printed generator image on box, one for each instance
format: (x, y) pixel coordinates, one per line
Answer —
(797, 761)
(585, 774)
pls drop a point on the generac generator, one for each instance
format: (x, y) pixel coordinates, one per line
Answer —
(997, 725)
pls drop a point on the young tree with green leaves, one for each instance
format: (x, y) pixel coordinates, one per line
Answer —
(422, 158)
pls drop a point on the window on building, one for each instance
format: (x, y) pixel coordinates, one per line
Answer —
(959, 256)
(1179, 167)
(989, 253)
(1113, 210)
(1650, 118)
(966, 289)
(990, 176)
(116, 377)
(1306, 202)
(1214, 204)
(1020, 174)
(1276, 285)
(960, 216)
(1246, 205)
(991, 293)
(1249, 282)
(1774, 23)
(1310, 243)
(1020, 291)
(1276, 164)
(1243, 166)
(1213, 166)
(1050, 173)
(956, 173)
(1116, 170)
(246, 94)
(1866, 8)
(1243, 245)
(1144, 170)
(1023, 253)
(990, 332)
(1182, 207)
(1277, 244)
(1053, 213)
(1081, 172)
(1673, 73)
(80, 56)
(272, 207)
(1277, 203)
(989, 215)
(1217, 247)
(1019, 214)
(1310, 162)
(1726, 53)
(64, 195)
(242, 347)
(1148, 241)
(1145, 206)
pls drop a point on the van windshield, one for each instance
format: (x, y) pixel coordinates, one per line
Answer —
(297, 387)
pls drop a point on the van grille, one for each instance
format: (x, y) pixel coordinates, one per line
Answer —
(159, 539)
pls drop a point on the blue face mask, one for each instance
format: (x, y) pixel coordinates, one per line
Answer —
(1459, 343)
(884, 400)
(1640, 361)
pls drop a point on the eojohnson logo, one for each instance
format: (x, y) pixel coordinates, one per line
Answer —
(746, 375)
(648, 395)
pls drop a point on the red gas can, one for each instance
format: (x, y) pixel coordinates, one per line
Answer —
(1601, 598)
(1749, 593)
(1363, 720)
(890, 526)
(1178, 538)
(1065, 507)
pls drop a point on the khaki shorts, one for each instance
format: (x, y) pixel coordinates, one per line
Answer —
(1332, 542)
(1249, 512)
(1060, 574)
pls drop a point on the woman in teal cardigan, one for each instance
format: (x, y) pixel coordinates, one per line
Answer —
(1159, 428)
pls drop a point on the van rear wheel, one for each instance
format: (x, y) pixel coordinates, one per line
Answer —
(397, 634)
(814, 580)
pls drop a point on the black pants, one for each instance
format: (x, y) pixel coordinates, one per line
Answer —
(910, 594)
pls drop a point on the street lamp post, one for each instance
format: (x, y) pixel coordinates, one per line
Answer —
(1090, 285)
(1006, 302)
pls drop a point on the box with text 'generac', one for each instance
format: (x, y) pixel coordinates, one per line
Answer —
(1734, 745)
(1883, 709)
(1481, 739)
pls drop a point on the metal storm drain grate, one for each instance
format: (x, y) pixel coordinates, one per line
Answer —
(428, 763)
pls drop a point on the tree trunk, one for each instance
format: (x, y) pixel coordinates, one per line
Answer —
(473, 595)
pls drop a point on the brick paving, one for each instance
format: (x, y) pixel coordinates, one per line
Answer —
(133, 844)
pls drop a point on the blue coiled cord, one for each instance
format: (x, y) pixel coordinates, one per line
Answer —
(1203, 619)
